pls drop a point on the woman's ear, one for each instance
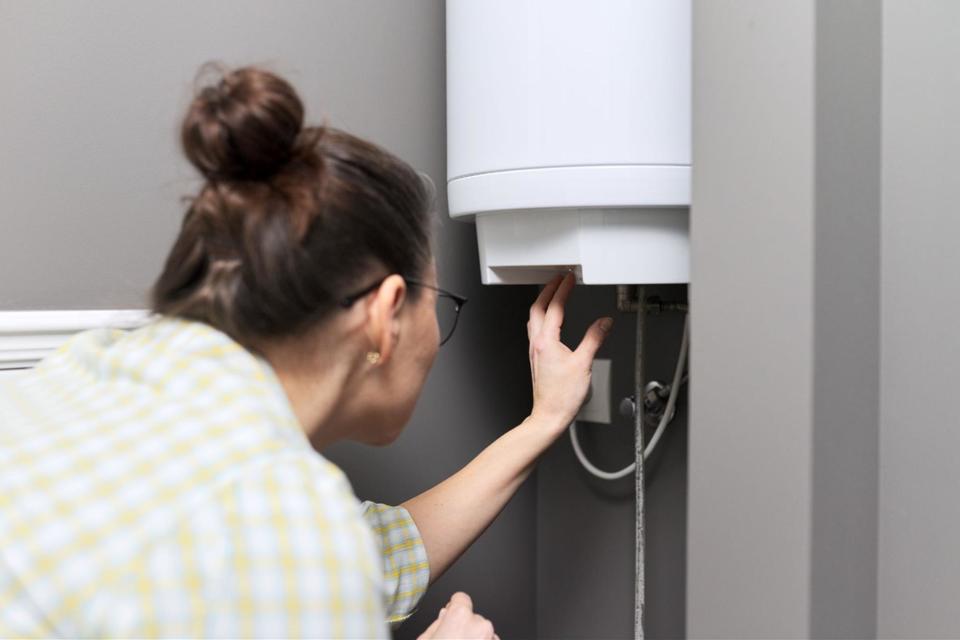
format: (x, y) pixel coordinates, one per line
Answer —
(383, 330)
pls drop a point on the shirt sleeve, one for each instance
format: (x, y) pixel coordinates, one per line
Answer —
(406, 571)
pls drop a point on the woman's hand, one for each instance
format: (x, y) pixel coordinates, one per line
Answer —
(452, 514)
(561, 377)
(458, 621)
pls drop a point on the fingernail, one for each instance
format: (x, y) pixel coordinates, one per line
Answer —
(605, 324)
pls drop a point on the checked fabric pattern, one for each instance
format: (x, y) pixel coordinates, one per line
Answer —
(155, 483)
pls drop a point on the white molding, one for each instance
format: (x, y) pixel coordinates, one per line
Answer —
(26, 337)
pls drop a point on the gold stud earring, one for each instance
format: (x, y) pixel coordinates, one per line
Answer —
(373, 357)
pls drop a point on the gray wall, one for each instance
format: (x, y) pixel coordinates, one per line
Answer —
(90, 173)
(785, 366)
(856, 104)
(752, 233)
(90, 181)
(919, 569)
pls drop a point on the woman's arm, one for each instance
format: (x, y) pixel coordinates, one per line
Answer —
(451, 515)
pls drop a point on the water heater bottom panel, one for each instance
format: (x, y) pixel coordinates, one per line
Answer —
(603, 246)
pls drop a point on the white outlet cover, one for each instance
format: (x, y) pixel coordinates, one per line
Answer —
(597, 408)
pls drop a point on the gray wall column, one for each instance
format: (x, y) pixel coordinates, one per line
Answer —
(919, 570)
(846, 383)
(785, 296)
(752, 226)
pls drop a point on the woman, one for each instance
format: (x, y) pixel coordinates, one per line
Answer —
(166, 481)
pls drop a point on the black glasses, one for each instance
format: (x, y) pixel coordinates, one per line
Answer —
(448, 305)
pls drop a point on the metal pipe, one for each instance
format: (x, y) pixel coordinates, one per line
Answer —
(628, 297)
(638, 379)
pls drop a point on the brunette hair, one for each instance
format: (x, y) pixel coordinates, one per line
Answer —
(290, 218)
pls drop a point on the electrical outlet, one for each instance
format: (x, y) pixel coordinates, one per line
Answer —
(597, 406)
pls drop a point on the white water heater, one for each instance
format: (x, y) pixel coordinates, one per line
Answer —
(568, 137)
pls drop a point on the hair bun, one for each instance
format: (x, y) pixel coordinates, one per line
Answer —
(244, 127)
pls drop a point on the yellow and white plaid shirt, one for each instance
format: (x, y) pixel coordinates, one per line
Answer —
(157, 483)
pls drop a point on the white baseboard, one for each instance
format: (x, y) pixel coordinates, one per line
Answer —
(26, 337)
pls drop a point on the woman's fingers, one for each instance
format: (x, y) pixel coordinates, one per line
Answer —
(460, 599)
(428, 633)
(483, 627)
(457, 620)
(553, 319)
(539, 308)
(593, 338)
(548, 290)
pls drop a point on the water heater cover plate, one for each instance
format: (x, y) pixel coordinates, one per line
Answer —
(602, 246)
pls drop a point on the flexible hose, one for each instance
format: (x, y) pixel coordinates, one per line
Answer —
(668, 414)
(600, 473)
